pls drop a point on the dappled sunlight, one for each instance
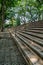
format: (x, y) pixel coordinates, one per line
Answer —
(34, 59)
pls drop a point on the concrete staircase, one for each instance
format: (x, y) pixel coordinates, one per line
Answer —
(30, 44)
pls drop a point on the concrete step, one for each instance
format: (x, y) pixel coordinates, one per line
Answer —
(36, 48)
(36, 28)
(34, 34)
(35, 31)
(30, 57)
(32, 38)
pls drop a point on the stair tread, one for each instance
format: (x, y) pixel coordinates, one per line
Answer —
(35, 34)
(35, 39)
(36, 31)
(34, 47)
(37, 28)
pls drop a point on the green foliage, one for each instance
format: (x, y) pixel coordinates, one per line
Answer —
(21, 7)
(4, 5)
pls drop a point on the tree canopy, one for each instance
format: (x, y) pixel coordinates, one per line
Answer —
(21, 10)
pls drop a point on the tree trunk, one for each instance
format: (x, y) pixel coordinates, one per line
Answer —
(39, 16)
(2, 27)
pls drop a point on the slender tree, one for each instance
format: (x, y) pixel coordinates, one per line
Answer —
(5, 4)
